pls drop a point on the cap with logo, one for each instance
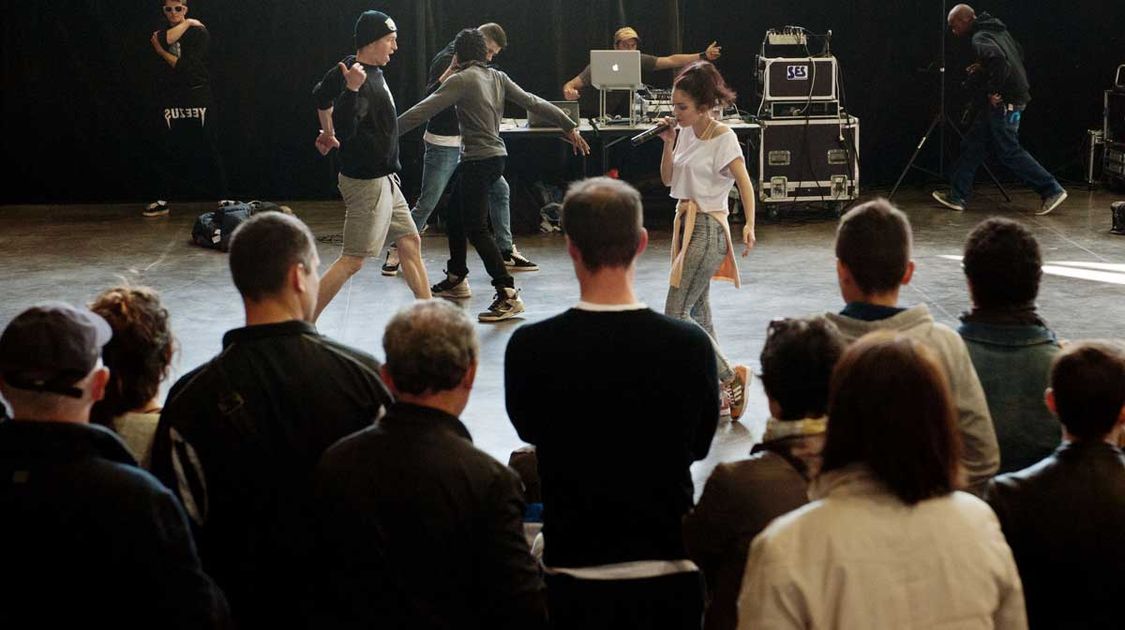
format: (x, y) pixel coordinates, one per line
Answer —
(51, 346)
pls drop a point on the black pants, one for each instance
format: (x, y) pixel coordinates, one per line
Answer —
(470, 219)
(671, 601)
(193, 168)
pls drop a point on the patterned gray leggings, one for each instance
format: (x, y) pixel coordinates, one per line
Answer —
(691, 301)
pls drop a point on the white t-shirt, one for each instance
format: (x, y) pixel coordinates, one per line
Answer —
(699, 168)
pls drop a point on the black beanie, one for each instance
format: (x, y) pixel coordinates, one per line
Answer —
(372, 25)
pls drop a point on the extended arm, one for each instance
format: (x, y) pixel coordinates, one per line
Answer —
(712, 53)
(737, 168)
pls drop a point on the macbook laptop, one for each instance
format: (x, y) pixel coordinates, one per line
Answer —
(570, 107)
(615, 69)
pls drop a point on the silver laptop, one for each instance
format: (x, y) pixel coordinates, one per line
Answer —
(615, 69)
(570, 107)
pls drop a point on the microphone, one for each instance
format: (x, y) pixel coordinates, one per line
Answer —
(649, 134)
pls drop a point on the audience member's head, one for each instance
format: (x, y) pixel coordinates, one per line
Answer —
(50, 362)
(1002, 264)
(273, 258)
(431, 350)
(1088, 388)
(469, 46)
(140, 352)
(873, 244)
(797, 362)
(602, 219)
(890, 408)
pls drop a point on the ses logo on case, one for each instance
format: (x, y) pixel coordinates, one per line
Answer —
(797, 73)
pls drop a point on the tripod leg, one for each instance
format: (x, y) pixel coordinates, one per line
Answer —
(917, 150)
(988, 170)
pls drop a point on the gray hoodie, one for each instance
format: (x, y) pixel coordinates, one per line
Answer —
(980, 454)
(479, 94)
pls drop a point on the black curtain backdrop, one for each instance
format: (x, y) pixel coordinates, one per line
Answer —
(81, 122)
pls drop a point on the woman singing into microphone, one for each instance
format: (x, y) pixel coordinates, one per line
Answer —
(702, 160)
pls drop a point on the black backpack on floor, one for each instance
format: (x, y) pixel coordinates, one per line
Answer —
(213, 229)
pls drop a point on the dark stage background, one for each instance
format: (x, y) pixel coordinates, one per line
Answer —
(81, 123)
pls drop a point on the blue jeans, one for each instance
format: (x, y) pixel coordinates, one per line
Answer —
(438, 165)
(995, 127)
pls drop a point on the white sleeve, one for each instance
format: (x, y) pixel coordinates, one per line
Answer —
(728, 151)
(768, 598)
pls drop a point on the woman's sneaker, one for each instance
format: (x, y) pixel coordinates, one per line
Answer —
(736, 390)
(390, 266)
(518, 262)
(506, 304)
(456, 287)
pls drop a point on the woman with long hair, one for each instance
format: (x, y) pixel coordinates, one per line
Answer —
(138, 357)
(702, 161)
(888, 541)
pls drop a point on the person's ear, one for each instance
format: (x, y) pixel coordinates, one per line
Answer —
(909, 273)
(98, 381)
(388, 380)
(470, 376)
(642, 243)
(1049, 400)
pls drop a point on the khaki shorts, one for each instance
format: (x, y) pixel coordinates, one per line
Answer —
(375, 212)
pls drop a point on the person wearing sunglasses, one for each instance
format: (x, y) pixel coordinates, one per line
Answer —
(192, 167)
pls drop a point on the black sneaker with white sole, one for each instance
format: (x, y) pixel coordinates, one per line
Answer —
(518, 262)
(391, 264)
(505, 304)
(158, 208)
(456, 287)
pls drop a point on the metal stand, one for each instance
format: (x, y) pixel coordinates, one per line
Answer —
(602, 118)
(940, 121)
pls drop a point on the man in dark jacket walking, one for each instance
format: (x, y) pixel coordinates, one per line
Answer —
(1000, 75)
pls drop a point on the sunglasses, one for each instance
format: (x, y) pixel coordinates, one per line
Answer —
(176, 9)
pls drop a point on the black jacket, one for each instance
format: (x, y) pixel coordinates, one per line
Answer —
(1002, 59)
(238, 441)
(1064, 519)
(445, 123)
(88, 539)
(419, 529)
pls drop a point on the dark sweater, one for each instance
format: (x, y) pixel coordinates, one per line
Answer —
(366, 122)
(88, 539)
(420, 529)
(619, 405)
(1002, 59)
(189, 82)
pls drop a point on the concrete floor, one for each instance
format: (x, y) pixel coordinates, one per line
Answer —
(72, 252)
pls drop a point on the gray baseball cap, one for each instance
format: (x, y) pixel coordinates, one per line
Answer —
(51, 346)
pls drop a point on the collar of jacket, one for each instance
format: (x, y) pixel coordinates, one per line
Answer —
(419, 418)
(65, 441)
(1087, 448)
(849, 481)
(1007, 335)
(262, 331)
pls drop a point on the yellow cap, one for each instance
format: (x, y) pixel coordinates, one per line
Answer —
(625, 32)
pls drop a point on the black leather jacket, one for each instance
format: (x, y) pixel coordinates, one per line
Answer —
(1064, 519)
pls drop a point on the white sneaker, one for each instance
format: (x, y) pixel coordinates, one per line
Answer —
(948, 201)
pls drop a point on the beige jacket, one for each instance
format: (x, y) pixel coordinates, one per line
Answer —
(859, 558)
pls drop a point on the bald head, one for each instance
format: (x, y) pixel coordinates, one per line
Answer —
(961, 18)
